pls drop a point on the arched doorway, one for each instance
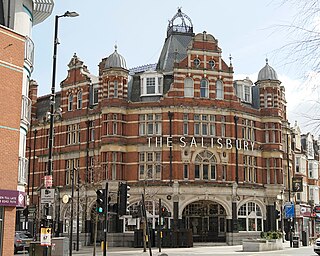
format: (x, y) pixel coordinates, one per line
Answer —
(207, 220)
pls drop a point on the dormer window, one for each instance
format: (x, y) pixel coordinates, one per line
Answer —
(151, 84)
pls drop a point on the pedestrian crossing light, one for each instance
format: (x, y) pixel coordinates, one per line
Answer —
(100, 200)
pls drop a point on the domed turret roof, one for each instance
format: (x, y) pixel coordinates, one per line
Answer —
(267, 73)
(115, 60)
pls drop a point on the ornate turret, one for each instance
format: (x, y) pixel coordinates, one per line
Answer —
(114, 73)
(179, 35)
(115, 60)
(267, 73)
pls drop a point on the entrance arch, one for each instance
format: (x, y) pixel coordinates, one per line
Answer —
(207, 220)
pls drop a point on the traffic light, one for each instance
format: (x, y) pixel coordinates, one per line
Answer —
(165, 212)
(277, 214)
(123, 198)
(101, 197)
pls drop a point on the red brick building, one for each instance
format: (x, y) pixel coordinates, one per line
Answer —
(11, 67)
(182, 130)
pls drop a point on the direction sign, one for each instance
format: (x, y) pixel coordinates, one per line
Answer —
(47, 195)
(45, 238)
(289, 210)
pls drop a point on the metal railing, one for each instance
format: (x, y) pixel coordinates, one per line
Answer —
(26, 109)
(29, 52)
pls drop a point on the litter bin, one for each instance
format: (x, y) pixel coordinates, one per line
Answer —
(305, 238)
(295, 242)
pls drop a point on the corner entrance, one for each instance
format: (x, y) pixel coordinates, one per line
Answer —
(207, 220)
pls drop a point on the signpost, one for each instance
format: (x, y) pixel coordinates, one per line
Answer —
(288, 210)
(45, 238)
(47, 195)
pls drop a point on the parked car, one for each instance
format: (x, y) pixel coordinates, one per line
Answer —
(22, 241)
(316, 246)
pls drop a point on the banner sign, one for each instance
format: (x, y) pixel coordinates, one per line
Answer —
(12, 198)
(297, 184)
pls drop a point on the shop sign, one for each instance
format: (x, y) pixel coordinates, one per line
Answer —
(202, 142)
(316, 208)
(297, 184)
(305, 211)
(12, 198)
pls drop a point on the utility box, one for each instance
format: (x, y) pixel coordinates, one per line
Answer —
(36, 249)
(60, 246)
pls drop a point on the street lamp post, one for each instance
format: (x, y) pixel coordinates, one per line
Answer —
(52, 105)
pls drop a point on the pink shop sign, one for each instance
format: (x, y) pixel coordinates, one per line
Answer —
(12, 198)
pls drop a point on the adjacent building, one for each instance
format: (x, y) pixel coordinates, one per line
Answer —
(16, 65)
(217, 151)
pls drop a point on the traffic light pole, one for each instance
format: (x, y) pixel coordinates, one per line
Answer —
(105, 220)
(159, 225)
(144, 212)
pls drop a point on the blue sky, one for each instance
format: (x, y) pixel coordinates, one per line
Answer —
(245, 29)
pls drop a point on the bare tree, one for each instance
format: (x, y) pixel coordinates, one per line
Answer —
(303, 33)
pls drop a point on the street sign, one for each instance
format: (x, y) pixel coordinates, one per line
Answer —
(45, 238)
(48, 181)
(289, 210)
(47, 195)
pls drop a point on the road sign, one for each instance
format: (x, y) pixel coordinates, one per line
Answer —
(289, 210)
(48, 181)
(45, 238)
(47, 196)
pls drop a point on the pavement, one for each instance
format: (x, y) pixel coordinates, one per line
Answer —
(198, 250)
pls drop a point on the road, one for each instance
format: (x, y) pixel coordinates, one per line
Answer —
(199, 251)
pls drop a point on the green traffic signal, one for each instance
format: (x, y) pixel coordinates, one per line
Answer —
(99, 209)
(101, 200)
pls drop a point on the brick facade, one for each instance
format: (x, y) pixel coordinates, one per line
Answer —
(11, 67)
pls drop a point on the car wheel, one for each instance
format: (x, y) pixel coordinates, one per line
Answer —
(15, 250)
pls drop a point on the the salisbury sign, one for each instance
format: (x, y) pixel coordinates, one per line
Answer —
(204, 142)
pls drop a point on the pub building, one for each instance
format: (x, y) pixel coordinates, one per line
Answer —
(215, 150)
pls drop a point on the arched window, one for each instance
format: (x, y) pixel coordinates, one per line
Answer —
(152, 209)
(70, 102)
(219, 87)
(79, 100)
(250, 217)
(188, 87)
(205, 166)
(204, 88)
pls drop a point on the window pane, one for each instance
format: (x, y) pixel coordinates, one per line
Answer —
(259, 224)
(205, 171)
(196, 172)
(213, 172)
(188, 87)
(204, 88)
(242, 224)
(219, 86)
(252, 224)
